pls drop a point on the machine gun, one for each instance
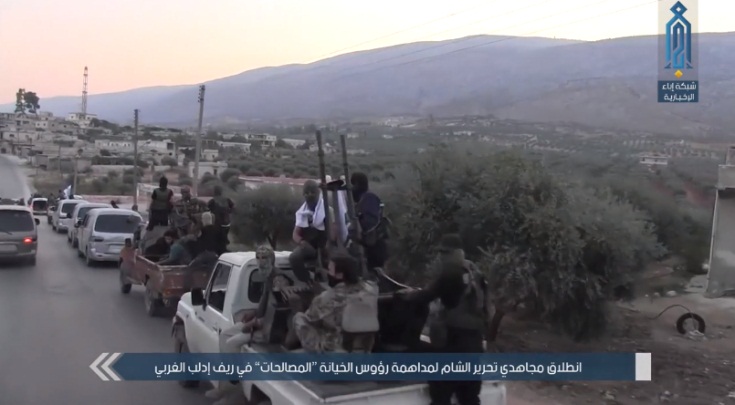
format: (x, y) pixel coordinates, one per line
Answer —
(355, 246)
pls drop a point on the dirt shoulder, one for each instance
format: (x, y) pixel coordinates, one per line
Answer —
(687, 369)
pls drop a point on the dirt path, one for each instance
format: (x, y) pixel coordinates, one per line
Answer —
(687, 369)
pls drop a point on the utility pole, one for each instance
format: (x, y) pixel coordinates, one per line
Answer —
(198, 149)
(135, 160)
(74, 182)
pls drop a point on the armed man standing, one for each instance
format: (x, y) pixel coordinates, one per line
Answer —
(161, 205)
(369, 211)
(460, 324)
(222, 208)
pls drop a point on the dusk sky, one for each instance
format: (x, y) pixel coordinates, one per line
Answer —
(45, 44)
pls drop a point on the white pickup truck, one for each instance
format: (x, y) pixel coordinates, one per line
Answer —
(235, 286)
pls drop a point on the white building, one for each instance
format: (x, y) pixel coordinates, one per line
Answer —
(294, 143)
(83, 120)
(114, 145)
(653, 159)
(237, 146)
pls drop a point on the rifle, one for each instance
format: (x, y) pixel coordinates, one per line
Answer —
(354, 222)
(325, 192)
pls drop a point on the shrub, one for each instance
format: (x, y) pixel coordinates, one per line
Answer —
(265, 214)
(540, 243)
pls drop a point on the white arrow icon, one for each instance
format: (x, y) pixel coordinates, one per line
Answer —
(100, 370)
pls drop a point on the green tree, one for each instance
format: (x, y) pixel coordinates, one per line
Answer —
(31, 101)
(169, 161)
(265, 214)
(540, 243)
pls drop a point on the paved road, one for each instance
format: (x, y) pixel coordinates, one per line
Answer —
(57, 317)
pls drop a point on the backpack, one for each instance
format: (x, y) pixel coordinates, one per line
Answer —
(469, 312)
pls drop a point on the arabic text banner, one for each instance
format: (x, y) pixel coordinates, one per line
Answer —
(374, 367)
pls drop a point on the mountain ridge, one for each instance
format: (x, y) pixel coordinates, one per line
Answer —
(606, 83)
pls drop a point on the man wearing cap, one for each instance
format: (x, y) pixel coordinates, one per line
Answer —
(459, 324)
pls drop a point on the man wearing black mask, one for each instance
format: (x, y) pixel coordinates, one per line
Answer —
(369, 211)
(222, 208)
(460, 323)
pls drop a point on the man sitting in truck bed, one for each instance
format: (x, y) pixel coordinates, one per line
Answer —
(319, 328)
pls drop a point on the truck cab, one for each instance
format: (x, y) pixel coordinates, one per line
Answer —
(236, 286)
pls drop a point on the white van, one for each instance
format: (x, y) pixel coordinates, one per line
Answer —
(61, 221)
(76, 218)
(102, 233)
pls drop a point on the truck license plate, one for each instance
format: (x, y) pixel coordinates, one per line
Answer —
(114, 249)
(7, 248)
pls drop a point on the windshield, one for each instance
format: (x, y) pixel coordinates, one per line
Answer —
(84, 210)
(68, 208)
(16, 221)
(116, 223)
(39, 205)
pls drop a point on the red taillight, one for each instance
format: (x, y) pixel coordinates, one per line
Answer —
(27, 241)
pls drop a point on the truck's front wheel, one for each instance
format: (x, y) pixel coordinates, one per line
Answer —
(181, 347)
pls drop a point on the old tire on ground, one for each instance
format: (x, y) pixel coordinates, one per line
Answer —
(125, 286)
(153, 304)
(181, 347)
(700, 326)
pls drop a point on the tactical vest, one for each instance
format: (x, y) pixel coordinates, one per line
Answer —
(161, 199)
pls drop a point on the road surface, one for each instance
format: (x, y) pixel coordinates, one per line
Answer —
(57, 317)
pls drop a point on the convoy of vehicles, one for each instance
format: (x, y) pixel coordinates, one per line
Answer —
(76, 218)
(61, 217)
(39, 206)
(235, 286)
(18, 234)
(102, 233)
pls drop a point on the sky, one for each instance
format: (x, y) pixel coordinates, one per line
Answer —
(45, 44)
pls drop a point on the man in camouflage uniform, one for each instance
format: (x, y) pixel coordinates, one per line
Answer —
(319, 328)
(188, 205)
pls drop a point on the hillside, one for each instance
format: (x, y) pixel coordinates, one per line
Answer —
(608, 83)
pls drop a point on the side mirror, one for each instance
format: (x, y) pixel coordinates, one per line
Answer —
(197, 297)
(38, 221)
(78, 224)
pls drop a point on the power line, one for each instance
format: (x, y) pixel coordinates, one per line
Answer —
(495, 40)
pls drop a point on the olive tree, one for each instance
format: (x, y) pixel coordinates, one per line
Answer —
(555, 247)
